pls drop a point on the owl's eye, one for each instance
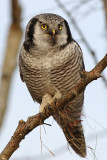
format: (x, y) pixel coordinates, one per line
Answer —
(60, 27)
(44, 26)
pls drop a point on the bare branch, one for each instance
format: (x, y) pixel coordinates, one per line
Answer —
(32, 122)
(10, 61)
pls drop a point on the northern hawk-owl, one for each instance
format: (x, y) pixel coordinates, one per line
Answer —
(50, 64)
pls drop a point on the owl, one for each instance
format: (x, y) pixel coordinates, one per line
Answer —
(50, 64)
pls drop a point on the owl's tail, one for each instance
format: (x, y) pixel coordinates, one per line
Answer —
(69, 121)
(74, 134)
(75, 137)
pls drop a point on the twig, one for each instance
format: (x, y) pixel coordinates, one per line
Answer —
(32, 122)
(10, 60)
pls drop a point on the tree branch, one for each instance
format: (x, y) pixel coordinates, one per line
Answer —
(32, 122)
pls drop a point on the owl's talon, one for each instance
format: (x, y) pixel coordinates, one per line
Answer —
(57, 97)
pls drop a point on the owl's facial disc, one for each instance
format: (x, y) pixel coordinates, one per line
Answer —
(52, 34)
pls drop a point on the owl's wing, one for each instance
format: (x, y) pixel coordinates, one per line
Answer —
(21, 76)
(20, 65)
(80, 56)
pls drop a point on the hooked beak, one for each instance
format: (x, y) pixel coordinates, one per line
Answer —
(53, 32)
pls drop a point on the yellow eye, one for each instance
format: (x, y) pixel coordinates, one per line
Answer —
(59, 26)
(44, 26)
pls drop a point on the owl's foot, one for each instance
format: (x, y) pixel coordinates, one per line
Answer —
(48, 100)
(56, 97)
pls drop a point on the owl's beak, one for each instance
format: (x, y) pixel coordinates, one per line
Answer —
(53, 32)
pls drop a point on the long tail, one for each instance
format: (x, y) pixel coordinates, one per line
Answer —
(75, 137)
(69, 121)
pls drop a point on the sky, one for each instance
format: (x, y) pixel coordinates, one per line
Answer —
(21, 105)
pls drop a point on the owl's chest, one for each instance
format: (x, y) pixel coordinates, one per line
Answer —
(45, 71)
(50, 73)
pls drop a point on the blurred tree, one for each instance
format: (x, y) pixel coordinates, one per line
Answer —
(10, 60)
(105, 9)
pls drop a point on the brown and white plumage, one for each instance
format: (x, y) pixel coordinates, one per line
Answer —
(50, 64)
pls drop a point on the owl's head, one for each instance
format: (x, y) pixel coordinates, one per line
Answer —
(47, 30)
